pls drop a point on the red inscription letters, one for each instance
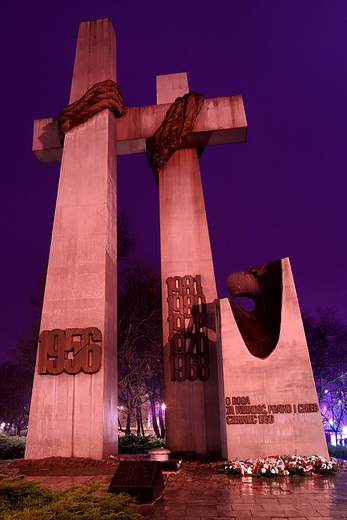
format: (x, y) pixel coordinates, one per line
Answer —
(70, 351)
(239, 410)
(189, 348)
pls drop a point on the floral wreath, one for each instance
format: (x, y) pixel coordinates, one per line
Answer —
(275, 466)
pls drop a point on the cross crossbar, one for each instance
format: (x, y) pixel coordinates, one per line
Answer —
(222, 120)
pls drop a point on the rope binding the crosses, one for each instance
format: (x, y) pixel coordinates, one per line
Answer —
(105, 94)
(173, 131)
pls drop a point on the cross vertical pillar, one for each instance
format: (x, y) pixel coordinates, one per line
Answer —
(74, 403)
(190, 372)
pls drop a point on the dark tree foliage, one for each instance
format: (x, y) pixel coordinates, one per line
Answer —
(15, 392)
(23, 352)
(140, 363)
(327, 343)
(139, 337)
(16, 375)
(126, 240)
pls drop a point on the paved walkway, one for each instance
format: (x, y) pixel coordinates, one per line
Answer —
(198, 492)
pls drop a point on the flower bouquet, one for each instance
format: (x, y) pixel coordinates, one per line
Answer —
(321, 465)
(298, 465)
(310, 465)
(270, 467)
(275, 466)
(237, 467)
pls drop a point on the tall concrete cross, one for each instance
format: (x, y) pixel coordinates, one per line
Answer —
(74, 410)
(188, 282)
(74, 402)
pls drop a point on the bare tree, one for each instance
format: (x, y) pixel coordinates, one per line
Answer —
(327, 343)
(126, 239)
(140, 362)
(139, 335)
(23, 352)
(15, 391)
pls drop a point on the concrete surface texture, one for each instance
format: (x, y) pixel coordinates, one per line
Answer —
(81, 279)
(206, 495)
(268, 405)
(199, 492)
(239, 498)
(141, 122)
(75, 415)
(190, 371)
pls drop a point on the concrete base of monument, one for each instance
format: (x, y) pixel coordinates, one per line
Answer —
(268, 399)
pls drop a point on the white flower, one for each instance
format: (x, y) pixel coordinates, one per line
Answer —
(263, 470)
(273, 471)
(249, 471)
(266, 466)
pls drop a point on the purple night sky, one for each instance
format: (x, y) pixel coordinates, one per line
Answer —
(282, 193)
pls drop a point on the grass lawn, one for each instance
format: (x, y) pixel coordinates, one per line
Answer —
(25, 500)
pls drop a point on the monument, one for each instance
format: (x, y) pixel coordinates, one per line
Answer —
(207, 348)
(267, 393)
(188, 281)
(74, 403)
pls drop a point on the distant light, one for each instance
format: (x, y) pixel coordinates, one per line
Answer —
(331, 422)
(163, 407)
(344, 430)
(325, 391)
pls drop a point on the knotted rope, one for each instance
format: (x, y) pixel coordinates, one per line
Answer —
(173, 131)
(105, 94)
